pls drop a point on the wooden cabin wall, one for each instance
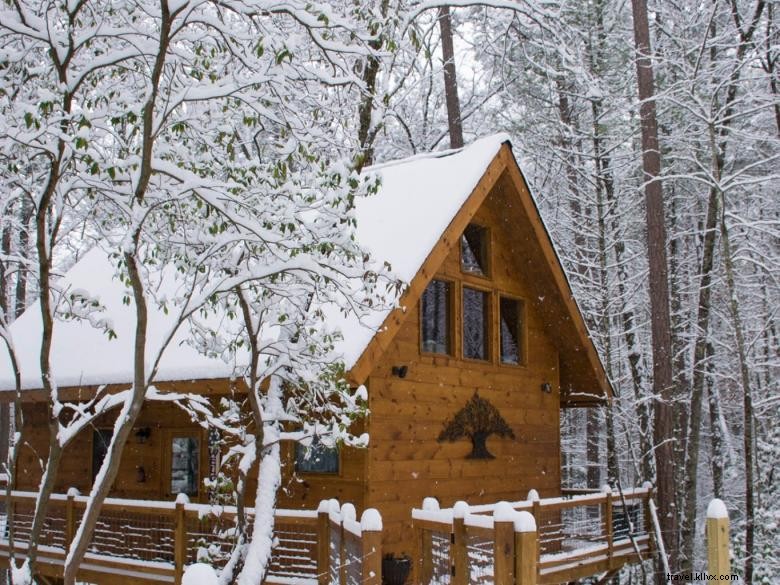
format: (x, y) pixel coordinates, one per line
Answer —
(406, 461)
(299, 490)
(162, 419)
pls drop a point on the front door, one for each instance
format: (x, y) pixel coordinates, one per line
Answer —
(183, 455)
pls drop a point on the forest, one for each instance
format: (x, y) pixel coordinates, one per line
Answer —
(227, 141)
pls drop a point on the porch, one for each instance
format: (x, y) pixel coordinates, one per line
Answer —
(144, 542)
(138, 542)
(536, 541)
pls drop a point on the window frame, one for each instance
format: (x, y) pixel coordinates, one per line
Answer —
(322, 474)
(489, 327)
(167, 460)
(451, 321)
(488, 252)
(522, 334)
(95, 468)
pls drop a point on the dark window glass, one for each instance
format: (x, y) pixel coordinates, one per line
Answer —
(184, 465)
(436, 317)
(473, 250)
(475, 324)
(316, 458)
(511, 331)
(101, 439)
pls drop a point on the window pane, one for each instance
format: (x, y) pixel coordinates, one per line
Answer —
(473, 250)
(511, 348)
(475, 324)
(317, 458)
(101, 439)
(184, 466)
(436, 317)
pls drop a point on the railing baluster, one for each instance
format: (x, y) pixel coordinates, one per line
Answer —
(503, 545)
(371, 536)
(458, 549)
(179, 540)
(526, 549)
(323, 543)
(70, 517)
(608, 520)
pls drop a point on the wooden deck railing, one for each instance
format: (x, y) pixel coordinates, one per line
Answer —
(571, 538)
(148, 541)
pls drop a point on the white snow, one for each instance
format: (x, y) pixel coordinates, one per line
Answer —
(478, 521)
(533, 496)
(524, 522)
(460, 509)
(348, 511)
(371, 520)
(199, 574)
(443, 516)
(400, 225)
(430, 504)
(504, 512)
(717, 509)
(352, 526)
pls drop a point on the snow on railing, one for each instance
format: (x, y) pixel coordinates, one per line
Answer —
(355, 547)
(572, 537)
(162, 538)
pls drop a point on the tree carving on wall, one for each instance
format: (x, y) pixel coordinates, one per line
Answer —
(477, 420)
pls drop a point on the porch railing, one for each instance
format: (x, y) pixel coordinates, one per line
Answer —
(572, 537)
(154, 541)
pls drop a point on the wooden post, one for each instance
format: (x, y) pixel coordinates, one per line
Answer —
(323, 542)
(647, 514)
(371, 536)
(70, 517)
(718, 562)
(608, 520)
(503, 544)
(536, 512)
(426, 557)
(342, 555)
(424, 547)
(526, 549)
(179, 539)
(459, 560)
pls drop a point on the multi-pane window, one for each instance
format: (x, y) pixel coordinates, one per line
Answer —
(474, 250)
(316, 458)
(511, 317)
(436, 317)
(184, 465)
(475, 324)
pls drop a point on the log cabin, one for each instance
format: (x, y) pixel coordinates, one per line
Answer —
(465, 377)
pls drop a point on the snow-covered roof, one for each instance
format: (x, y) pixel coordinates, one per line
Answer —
(401, 224)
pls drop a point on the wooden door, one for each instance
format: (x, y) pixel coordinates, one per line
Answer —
(184, 463)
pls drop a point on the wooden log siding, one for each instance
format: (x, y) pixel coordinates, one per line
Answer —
(570, 542)
(406, 461)
(147, 541)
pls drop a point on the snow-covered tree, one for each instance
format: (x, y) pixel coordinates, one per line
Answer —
(199, 143)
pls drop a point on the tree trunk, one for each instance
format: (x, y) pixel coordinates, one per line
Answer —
(717, 451)
(20, 294)
(454, 122)
(122, 428)
(699, 375)
(747, 403)
(772, 42)
(718, 146)
(659, 283)
(366, 130)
